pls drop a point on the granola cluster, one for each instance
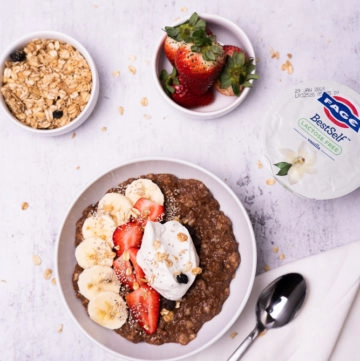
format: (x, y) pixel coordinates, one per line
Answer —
(47, 84)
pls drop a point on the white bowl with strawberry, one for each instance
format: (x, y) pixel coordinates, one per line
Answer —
(204, 66)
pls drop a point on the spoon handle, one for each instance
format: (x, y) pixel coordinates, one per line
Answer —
(240, 351)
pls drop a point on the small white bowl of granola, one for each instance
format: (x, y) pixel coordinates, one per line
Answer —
(49, 83)
(204, 91)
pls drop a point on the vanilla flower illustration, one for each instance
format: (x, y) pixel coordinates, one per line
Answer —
(298, 163)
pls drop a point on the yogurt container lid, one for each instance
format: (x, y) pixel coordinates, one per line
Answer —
(311, 139)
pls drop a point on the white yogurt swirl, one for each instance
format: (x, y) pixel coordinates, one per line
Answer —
(167, 254)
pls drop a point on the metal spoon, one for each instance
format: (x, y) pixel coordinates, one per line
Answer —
(277, 305)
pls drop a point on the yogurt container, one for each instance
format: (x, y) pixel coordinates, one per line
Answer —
(311, 139)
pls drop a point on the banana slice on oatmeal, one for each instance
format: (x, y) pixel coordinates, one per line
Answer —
(144, 188)
(118, 206)
(108, 309)
(99, 226)
(94, 251)
(97, 279)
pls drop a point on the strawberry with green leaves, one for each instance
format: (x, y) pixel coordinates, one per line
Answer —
(238, 72)
(176, 35)
(200, 63)
(179, 92)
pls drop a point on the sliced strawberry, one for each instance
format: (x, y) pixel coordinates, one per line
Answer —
(238, 72)
(149, 210)
(180, 93)
(144, 305)
(200, 64)
(127, 269)
(128, 235)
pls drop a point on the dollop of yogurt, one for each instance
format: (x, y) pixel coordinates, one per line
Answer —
(168, 258)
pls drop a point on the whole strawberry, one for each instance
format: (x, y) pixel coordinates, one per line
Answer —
(176, 35)
(180, 93)
(238, 72)
(201, 62)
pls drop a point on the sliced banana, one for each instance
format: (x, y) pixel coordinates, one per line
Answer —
(144, 188)
(93, 251)
(96, 279)
(99, 226)
(118, 206)
(108, 309)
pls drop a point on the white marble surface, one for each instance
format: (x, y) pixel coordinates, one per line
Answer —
(48, 173)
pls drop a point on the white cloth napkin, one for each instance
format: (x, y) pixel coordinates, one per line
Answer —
(327, 328)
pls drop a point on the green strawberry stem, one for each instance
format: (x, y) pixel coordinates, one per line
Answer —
(238, 73)
(169, 80)
(184, 32)
(194, 32)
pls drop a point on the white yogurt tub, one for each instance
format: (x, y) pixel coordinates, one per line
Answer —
(312, 140)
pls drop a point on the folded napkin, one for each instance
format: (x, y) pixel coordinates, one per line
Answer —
(327, 327)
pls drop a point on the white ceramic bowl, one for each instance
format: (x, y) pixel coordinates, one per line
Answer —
(227, 33)
(240, 286)
(19, 44)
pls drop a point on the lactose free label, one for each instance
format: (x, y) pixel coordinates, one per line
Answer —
(318, 136)
(312, 139)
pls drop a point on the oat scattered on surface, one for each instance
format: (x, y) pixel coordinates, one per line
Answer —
(24, 206)
(132, 58)
(233, 334)
(36, 260)
(270, 181)
(104, 129)
(144, 101)
(121, 110)
(184, 9)
(116, 73)
(259, 164)
(266, 268)
(287, 66)
(47, 273)
(50, 87)
(60, 328)
(275, 249)
(132, 69)
(274, 54)
(73, 135)
(77, 167)
(53, 281)
(147, 116)
(281, 256)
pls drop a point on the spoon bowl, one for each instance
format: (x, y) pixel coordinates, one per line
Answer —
(277, 305)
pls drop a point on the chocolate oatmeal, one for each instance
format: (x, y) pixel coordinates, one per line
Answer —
(190, 202)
